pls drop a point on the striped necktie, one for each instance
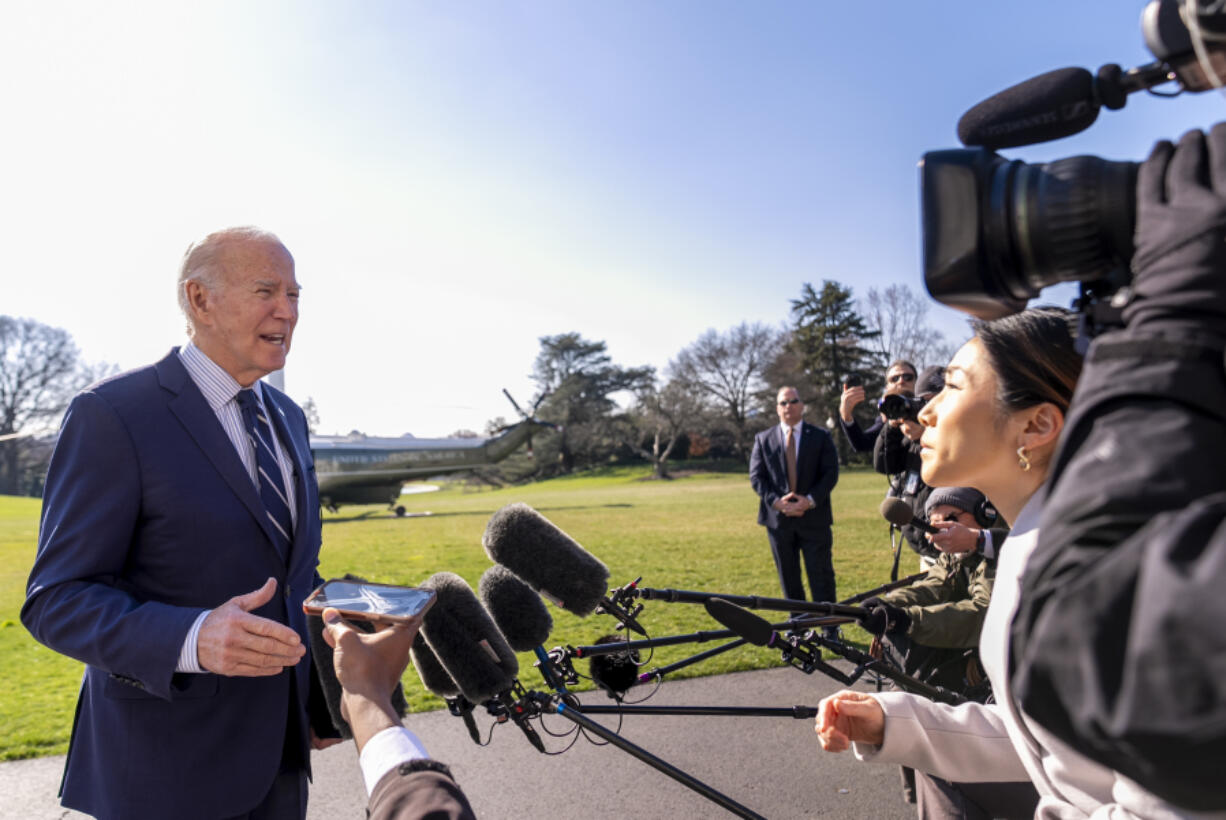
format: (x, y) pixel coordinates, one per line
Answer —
(272, 488)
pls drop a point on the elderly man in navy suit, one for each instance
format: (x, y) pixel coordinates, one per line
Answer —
(793, 468)
(180, 532)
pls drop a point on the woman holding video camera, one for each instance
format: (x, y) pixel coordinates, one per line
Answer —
(1119, 644)
(994, 427)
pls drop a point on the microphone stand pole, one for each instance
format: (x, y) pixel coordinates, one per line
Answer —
(750, 602)
(548, 703)
(884, 588)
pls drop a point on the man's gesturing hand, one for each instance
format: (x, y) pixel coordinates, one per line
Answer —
(233, 642)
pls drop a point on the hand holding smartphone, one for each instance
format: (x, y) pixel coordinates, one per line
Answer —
(376, 603)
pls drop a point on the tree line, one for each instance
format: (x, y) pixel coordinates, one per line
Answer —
(719, 391)
(707, 403)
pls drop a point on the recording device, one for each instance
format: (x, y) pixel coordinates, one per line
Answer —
(900, 514)
(435, 678)
(853, 380)
(463, 637)
(522, 618)
(363, 601)
(900, 406)
(551, 562)
(547, 559)
(615, 672)
(997, 231)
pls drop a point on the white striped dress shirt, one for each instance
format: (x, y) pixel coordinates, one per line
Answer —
(219, 389)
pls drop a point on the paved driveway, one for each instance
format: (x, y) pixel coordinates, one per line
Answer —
(771, 765)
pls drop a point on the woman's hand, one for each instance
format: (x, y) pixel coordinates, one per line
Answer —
(849, 717)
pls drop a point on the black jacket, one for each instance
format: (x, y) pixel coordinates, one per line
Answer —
(1119, 643)
(898, 457)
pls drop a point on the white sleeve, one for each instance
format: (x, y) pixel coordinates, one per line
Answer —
(387, 750)
(962, 744)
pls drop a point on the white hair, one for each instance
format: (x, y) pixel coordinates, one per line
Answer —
(200, 262)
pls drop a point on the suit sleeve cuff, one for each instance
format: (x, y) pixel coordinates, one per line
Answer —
(189, 661)
(387, 750)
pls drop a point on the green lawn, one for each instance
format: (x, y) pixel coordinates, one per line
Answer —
(696, 532)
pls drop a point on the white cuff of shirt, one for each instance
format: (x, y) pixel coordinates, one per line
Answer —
(989, 550)
(188, 659)
(387, 750)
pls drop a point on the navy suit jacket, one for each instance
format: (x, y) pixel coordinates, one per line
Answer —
(817, 471)
(149, 517)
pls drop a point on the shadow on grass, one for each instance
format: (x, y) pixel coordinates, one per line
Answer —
(380, 514)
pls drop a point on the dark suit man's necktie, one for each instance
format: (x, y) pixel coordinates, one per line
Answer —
(268, 470)
(790, 458)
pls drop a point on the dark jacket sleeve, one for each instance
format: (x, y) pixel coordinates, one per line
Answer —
(827, 467)
(418, 790)
(860, 440)
(890, 453)
(759, 477)
(1118, 646)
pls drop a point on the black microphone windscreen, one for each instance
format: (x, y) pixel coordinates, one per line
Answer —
(330, 685)
(520, 613)
(616, 672)
(433, 676)
(549, 560)
(464, 638)
(897, 512)
(1047, 107)
(749, 626)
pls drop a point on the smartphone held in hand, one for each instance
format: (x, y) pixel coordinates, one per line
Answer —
(363, 601)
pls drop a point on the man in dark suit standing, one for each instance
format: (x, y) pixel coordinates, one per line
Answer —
(180, 532)
(793, 468)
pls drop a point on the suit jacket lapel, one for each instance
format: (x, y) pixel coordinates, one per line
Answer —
(200, 422)
(782, 445)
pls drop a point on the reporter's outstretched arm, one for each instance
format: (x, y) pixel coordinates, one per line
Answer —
(401, 780)
(1118, 641)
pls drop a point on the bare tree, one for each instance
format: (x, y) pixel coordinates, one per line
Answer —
(40, 370)
(726, 370)
(901, 316)
(311, 410)
(660, 416)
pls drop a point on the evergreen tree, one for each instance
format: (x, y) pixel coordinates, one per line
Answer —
(832, 341)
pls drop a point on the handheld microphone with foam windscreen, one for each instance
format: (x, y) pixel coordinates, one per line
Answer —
(521, 615)
(435, 678)
(547, 559)
(465, 640)
(900, 514)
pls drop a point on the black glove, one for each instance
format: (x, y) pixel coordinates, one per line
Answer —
(1179, 268)
(884, 619)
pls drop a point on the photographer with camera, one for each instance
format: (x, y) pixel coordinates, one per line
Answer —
(897, 455)
(899, 379)
(1118, 644)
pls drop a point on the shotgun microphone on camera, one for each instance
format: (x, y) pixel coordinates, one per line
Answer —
(900, 514)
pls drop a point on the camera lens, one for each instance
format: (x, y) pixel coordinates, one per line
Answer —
(998, 231)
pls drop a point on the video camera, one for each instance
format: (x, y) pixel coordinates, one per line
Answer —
(901, 406)
(997, 231)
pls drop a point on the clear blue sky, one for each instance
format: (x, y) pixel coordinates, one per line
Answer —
(457, 180)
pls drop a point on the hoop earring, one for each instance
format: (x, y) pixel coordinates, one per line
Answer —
(1022, 461)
